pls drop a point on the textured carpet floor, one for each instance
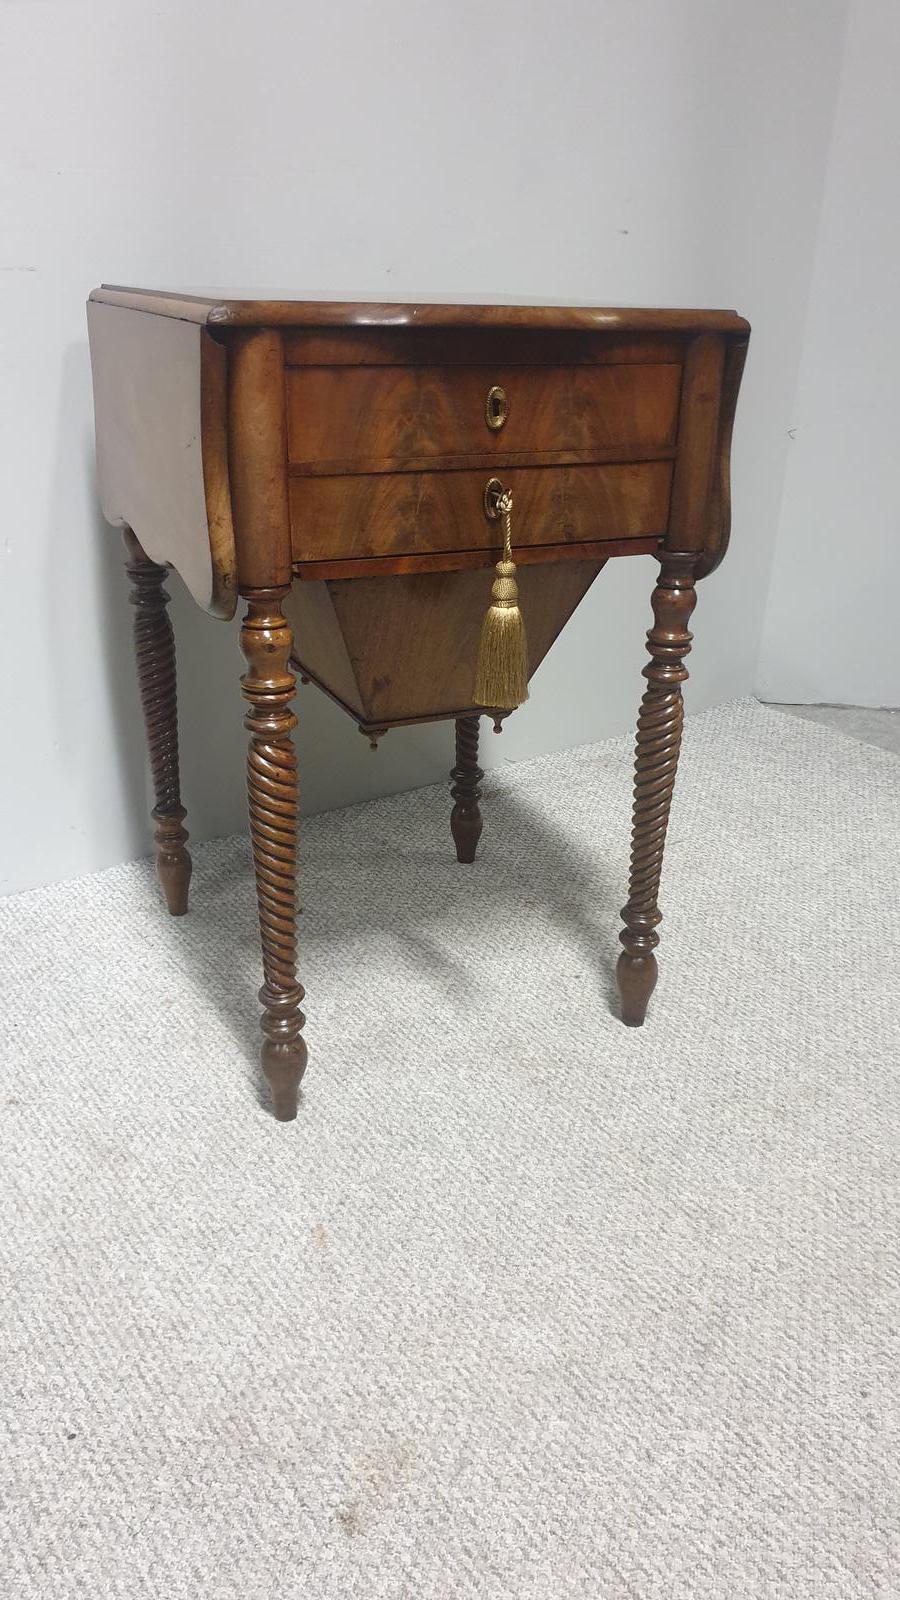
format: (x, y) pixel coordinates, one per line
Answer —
(525, 1304)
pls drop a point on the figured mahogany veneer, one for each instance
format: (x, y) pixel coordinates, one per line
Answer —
(327, 462)
(388, 417)
(396, 514)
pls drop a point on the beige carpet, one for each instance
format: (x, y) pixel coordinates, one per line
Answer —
(525, 1304)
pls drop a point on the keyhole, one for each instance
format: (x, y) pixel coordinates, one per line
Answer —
(496, 408)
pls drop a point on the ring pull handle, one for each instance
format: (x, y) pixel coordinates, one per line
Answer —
(495, 498)
(496, 408)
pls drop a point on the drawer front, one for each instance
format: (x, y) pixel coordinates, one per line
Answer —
(385, 514)
(347, 419)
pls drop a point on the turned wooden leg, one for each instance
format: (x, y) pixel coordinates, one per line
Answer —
(466, 821)
(154, 646)
(656, 759)
(268, 684)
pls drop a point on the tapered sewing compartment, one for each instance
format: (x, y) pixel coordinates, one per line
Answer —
(403, 648)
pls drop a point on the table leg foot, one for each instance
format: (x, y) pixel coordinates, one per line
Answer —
(173, 864)
(656, 760)
(636, 977)
(284, 1052)
(466, 821)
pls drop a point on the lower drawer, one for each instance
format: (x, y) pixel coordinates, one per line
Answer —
(416, 513)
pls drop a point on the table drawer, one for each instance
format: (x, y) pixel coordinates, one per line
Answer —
(349, 418)
(390, 514)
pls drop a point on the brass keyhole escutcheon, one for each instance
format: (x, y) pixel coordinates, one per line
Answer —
(493, 494)
(496, 408)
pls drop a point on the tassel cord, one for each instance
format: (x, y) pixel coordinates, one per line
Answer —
(501, 680)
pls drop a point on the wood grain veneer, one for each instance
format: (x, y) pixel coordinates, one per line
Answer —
(413, 513)
(338, 415)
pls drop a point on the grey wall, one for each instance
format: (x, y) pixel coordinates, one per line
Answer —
(831, 625)
(669, 152)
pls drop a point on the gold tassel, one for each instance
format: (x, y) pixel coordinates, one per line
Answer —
(501, 680)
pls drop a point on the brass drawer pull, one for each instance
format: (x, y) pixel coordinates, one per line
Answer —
(496, 408)
(494, 495)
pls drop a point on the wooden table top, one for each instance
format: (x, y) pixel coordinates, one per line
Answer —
(248, 308)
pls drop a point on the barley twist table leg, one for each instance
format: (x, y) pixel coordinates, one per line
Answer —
(154, 646)
(268, 685)
(656, 760)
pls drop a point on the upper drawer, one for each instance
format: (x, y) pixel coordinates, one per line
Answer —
(345, 419)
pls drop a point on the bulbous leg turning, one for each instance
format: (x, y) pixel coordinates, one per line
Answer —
(656, 760)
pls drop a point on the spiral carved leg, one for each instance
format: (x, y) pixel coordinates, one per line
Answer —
(154, 645)
(268, 685)
(466, 820)
(656, 760)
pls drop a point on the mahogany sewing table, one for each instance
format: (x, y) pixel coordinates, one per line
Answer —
(333, 465)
